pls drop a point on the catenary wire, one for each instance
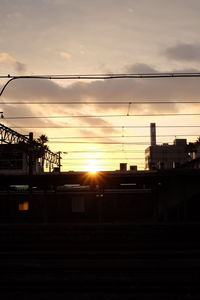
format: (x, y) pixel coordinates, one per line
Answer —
(99, 76)
(105, 151)
(103, 158)
(118, 136)
(100, 116)
(107, 143)
(110, 126)
(97, 102)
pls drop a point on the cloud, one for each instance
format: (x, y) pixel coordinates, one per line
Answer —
(130, 10)
(183, 52)
(139, 68)
(7, 58)
(99, 122)
(20, 67)
(83, 50)
(65, 55)
(116, 90)
(123, 90)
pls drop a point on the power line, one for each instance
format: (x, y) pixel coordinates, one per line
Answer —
(104, 75)
(107, 143)
(108, 127)
(11, 124)
(124, 157)
(101, 116)
(101, 165)
(98, 77)
(102, 158)
(97, 102)
(101, 151)
(119, 136)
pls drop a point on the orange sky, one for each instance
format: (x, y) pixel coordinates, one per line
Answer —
(93, 37)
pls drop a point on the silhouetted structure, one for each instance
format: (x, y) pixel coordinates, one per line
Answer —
(192, 164)
(14, 159)
(153, 134)
(133, 168)
(123, 166)
(165, 156)
(22, 154)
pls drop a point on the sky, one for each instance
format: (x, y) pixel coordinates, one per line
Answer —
(54, 37)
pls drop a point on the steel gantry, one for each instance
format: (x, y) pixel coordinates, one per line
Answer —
(10, 136)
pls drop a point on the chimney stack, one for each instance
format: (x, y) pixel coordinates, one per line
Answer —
(123, 167)
(153, 134)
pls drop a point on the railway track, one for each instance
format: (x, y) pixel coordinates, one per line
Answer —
(113, 261)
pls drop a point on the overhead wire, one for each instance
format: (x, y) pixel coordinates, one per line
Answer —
(105, 151)
(102, 158)
(110, 143)
(101, 116)
(97, 102)
(98, 77)
(105, 76)
(118, 136)
(109, 126)
(13, 126)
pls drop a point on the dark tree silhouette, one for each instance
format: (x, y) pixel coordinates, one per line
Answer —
(193, 147)
(43, 139)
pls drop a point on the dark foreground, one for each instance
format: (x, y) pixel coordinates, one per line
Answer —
(99, 261)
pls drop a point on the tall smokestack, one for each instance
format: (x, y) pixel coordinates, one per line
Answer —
(153, 134)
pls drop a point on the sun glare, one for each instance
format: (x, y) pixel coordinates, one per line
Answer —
(92, 167)
(92, 172)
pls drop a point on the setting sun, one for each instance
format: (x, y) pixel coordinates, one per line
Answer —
(92, 167)
(92, 172)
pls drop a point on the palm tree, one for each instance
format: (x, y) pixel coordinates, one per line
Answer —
(42, 140)
(197, 146)
(198, 141)
(193, 148)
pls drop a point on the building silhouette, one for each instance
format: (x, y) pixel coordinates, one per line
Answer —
(165, 156)
(20, 154)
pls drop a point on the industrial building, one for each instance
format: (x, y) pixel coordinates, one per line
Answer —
(15, 160)
(20, 154)
(165, 156)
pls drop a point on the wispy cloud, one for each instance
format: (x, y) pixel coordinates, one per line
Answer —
(5, 57)
(19, 67)
(121, 90)
(65, 55)
(184, 52)
(82, 50)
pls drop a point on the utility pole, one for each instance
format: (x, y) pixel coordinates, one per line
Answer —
(30, 162)
(30, 154)
(59, 162)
